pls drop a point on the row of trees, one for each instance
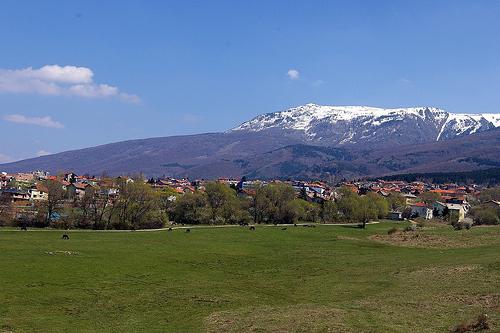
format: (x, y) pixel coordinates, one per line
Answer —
(140, 206)
(278, 204)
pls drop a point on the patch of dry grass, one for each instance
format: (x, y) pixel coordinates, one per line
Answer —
(296, 318)
(423, 239)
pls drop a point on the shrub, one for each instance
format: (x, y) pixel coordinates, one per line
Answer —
(468, 223)
(457, 225)
(411, 227)
(464, 224)
(481, 323)
(393, 230)
(485, 215)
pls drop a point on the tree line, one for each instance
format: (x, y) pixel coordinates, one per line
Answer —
(140, 206)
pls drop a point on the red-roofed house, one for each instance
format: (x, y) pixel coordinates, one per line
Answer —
(420, 209)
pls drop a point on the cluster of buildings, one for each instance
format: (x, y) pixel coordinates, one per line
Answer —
(450, 198)
(24, 189)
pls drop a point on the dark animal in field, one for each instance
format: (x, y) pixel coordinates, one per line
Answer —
(65, 237)
(283, 228)
(295, 224)
(252, 228)
(169, 229)
(188, 230)
(23, 228)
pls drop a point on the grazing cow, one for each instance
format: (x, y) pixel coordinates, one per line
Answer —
(295, 224)
(23, 228)
(65, 236)
(169, 229)
(283, 228)
(188, 230)
(252, 228)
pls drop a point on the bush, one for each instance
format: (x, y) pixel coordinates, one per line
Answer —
(393, 230)
(411, 227)
(464, 224)
(481, 323)
(485, 215)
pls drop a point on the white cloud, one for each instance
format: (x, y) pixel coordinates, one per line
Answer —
(38, 121)
(42, 153)
(293, 74)
(58, 80)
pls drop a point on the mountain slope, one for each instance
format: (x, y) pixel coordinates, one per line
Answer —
(466, 153)
(201, 155)
(310, 141)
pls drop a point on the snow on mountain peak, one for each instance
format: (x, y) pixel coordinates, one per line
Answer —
(365, 119)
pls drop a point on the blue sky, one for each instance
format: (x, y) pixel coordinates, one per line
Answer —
(75, 74)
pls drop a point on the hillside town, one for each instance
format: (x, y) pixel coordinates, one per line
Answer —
(24, 195)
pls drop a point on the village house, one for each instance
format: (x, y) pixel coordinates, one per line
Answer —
(420, 209)
(38, 192)
(459, 210)
(16, 195)
(77, 189)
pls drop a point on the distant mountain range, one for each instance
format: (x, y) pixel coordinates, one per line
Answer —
(349, 125)
(309, 141)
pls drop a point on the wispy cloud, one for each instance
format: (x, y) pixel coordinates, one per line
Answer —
(293, 74)
(38, 121)
(58, 80)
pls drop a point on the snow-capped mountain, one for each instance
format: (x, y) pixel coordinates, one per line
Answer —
(338, 125)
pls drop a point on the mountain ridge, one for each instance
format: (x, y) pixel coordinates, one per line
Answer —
(355, 124)
(277, 151)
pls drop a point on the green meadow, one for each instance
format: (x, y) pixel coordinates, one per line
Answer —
(323, 279)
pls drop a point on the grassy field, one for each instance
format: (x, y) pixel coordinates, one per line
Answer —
(324, 279)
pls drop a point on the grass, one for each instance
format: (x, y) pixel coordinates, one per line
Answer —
(324, 279)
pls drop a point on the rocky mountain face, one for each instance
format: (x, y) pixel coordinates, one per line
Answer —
(352, 125)
(310, 141)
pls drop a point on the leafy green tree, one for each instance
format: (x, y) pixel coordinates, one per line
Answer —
(329, 212)
(396, 202)
(137, 206)
(306, 211)
(191, 208)
(348, 204)
(222, 202)
(380, 204)
(274, 204)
